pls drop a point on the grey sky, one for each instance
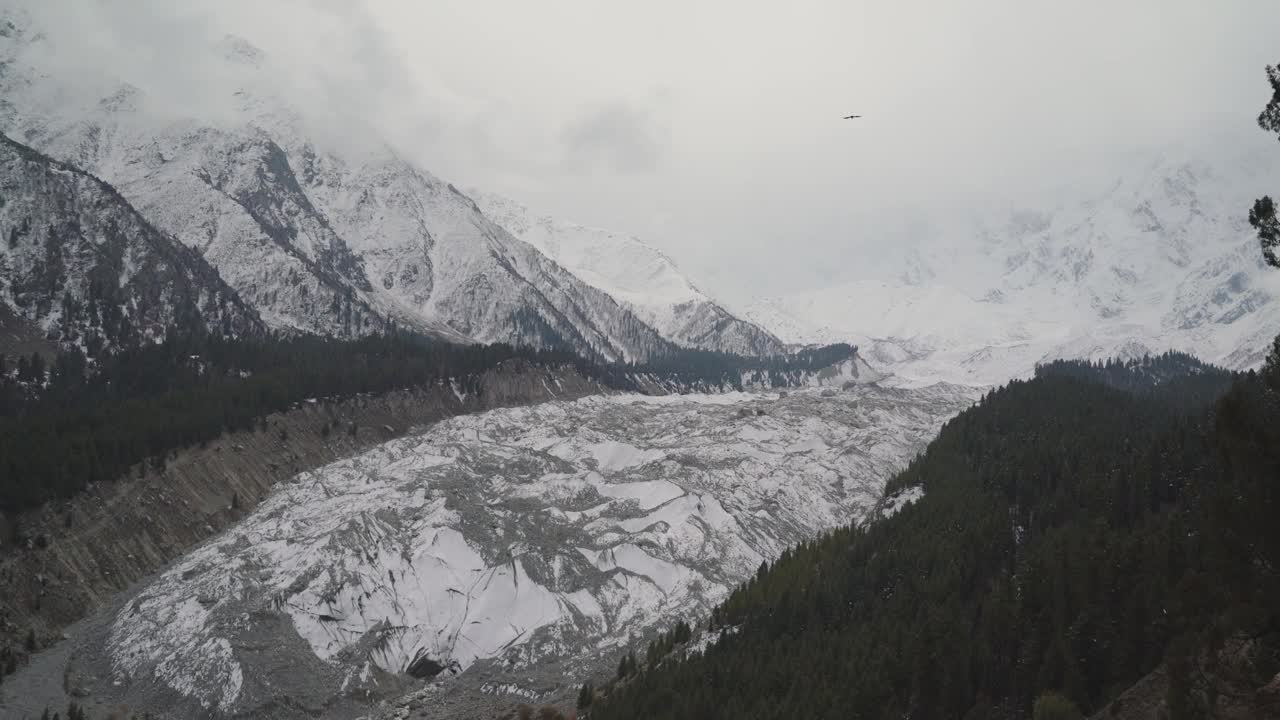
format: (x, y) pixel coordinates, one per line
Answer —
(712, 128)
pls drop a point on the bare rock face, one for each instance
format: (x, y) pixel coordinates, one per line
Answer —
(80, 266)
(640, 277)
(1233, 682)
(316, 234)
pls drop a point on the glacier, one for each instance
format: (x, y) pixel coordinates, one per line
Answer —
(514, 539)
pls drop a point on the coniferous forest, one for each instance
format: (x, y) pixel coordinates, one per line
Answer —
(1077, 531)
(68, 421)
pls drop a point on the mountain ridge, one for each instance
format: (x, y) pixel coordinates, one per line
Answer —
(639, 275)
(83, 267)
(1159, 259)
(336, 237)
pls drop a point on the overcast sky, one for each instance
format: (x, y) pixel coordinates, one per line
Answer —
(713, 129)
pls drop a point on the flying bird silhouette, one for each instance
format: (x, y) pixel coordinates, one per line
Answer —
(852, 117)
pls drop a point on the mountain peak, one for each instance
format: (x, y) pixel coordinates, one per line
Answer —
(1155, 258)
(640, 276)
(240, 51)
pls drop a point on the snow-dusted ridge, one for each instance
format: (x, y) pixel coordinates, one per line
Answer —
(1163, 259)
(638, 275)
(80, 267)
(319, 231)
(518, 537)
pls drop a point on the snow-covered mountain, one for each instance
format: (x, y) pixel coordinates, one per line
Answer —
(340, 236)
(519, 546)
(638, 275)
(79, 266)
(1162, 259)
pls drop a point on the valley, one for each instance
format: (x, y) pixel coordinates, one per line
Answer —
(304, 413)
(517, 547)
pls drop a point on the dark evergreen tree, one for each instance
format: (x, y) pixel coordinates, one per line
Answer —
(1263, 215)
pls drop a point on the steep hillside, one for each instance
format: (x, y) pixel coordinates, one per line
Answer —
(1067, 540)
(321, 232)
(1163, 259)
(639, 276)
(79, 265)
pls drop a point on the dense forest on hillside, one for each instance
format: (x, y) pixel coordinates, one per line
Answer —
(1077, 531)
(1145, 374)
(66, 425)
(67, 422)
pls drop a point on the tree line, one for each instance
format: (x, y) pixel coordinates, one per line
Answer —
(76, 420)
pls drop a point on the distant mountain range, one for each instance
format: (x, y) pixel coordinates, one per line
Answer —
(1163, 259)
(341, 237)
(338, 234)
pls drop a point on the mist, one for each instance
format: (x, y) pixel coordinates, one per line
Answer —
(714, 131)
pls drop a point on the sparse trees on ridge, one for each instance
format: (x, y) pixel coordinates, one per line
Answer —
(1263, 215)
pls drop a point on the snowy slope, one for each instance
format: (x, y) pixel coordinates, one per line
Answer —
(519, 538)
(1162, 259)
(79, 266)
(322, 232)
(638, 275)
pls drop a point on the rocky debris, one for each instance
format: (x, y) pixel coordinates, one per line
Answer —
(521, 547)
(133, 527)
(1233, 682)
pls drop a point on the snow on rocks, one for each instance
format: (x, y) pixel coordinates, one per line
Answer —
(330, 233)
(1160, 258)
(639, 276)
(519, 535)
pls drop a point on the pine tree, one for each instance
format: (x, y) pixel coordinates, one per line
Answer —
(1263, 215)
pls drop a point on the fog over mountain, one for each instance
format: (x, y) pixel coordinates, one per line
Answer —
(736, 163)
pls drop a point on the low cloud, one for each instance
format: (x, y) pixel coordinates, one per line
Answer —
(607, 113)
(618, 137)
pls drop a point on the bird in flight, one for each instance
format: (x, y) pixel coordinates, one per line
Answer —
(852, 117)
